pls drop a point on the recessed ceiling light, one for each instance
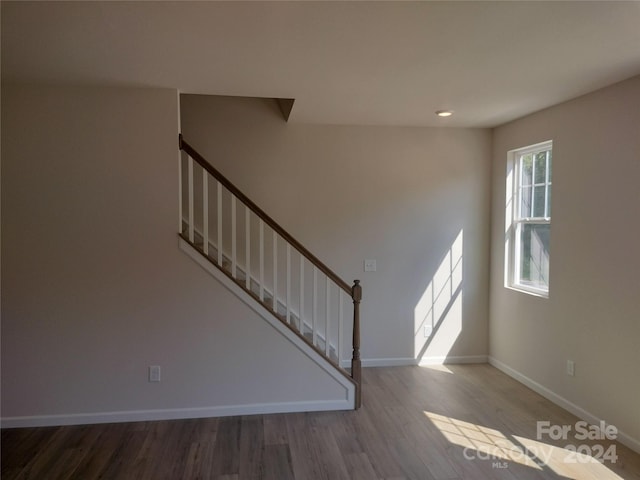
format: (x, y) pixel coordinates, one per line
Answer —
(444, 113)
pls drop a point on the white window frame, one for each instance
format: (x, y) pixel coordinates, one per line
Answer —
(515, 221)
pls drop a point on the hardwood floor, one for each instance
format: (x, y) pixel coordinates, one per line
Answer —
(449, 422)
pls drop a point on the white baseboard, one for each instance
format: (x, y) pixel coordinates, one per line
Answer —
(403, 361)
(173, 414)
(387, 362)
(466, 359)
(578, 411)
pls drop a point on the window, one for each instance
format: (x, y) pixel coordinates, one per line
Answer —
(529, 218)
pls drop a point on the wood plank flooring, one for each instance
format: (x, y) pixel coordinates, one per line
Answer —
(419, 423)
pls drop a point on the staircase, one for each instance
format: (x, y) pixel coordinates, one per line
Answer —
(236, 241)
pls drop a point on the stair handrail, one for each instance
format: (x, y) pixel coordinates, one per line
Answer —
(261, 213)
(355, 291)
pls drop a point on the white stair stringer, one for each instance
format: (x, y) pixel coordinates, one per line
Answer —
(348, 403)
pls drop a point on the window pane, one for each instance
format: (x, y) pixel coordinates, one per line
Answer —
(538, 201)
(528, 254)
(527, 169)
(541, 167)
(549, 166)
(525, 202)
(548, 202)
(534, 255)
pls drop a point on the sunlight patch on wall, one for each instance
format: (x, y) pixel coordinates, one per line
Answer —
(438, 314)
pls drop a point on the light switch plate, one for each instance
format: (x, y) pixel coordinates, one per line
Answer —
(154, 373)
(571, 368)
(370, 266)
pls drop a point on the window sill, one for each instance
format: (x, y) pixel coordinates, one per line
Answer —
(529, 291)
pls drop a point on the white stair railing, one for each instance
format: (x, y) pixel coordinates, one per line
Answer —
(290, 281)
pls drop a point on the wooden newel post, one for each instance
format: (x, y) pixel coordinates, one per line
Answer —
(356, 366)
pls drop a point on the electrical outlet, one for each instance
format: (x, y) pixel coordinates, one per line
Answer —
(571, 368)
(369, 265)
(154, 373)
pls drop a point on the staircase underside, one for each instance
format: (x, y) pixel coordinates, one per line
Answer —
(293, 330)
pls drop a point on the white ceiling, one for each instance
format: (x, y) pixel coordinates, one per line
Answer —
(391, 63)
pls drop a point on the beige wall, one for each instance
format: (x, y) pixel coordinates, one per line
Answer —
(94, 287)
(401, 196)
(592, 313)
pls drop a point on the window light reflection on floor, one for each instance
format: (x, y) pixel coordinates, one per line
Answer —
(480, 443)
(487, 443)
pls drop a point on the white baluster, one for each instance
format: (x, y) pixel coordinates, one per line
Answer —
(180, 191)
(326, 313)
(190, 179)
(205, 212)
(340, 323)
(301, 310)
(261, 260)
(288, 283)
(233, 236)
(314, 312)
(219, 246)
(275, 272)
(247, 243)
